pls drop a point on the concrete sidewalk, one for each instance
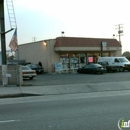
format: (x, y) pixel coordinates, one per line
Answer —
(14, 91)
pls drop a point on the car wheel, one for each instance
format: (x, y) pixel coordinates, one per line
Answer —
(108, 71)
(78, 71)
(114, 71)
(95, 72)
(121, 69)
(92, 72)
(31, 78)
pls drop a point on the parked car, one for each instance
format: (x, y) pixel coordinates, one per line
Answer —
(110, 68)
(28, 73)
(92, 68)
(36, 67)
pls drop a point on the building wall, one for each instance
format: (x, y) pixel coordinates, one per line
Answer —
(119, 53)
(37, 51)
(51, 56)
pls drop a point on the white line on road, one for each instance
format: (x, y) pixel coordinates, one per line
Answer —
(8, 121)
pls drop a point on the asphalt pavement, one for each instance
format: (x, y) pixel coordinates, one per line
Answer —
(27, 90)
(98, 113)
(88, 103)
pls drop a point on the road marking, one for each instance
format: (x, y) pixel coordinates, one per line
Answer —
(8, 121)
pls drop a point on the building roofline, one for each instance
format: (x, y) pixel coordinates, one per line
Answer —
(34, 42)
(85, 37)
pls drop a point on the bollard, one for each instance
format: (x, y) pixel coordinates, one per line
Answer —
(4, 78)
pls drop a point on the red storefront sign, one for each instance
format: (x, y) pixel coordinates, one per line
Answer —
(90, 59)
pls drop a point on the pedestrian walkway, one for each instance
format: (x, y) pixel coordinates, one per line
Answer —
(12, 91)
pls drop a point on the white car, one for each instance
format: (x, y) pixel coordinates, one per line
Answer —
(28, 73)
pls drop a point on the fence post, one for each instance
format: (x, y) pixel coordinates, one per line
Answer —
(4, 78)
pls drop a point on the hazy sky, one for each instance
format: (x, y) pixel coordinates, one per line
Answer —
(45, 19)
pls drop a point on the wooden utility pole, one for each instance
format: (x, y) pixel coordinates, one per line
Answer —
(119, 31)
(34, 39)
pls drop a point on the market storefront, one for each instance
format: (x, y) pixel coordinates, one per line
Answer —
(77, 60)
(68, 53)
(75, 53)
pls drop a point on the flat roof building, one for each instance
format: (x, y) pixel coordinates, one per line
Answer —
(69, 52)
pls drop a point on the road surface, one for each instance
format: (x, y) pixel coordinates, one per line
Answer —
(91, 113)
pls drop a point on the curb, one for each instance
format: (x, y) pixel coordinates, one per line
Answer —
(18, 95)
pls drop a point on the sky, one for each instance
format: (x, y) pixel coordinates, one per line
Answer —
(46, 19)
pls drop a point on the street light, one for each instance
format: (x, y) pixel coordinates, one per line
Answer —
(44, 44)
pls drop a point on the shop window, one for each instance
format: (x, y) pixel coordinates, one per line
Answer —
(64, 59)
(64, 55)
(90, 59)
(74, 61)
(82, 60)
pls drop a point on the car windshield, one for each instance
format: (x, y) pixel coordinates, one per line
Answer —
(25, 68)
(34, 66)
(123, 60)
(95, 65)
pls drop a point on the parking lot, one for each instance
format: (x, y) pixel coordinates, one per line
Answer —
(75, 78)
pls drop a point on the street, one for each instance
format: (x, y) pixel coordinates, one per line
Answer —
(97, 113)
(75, 107)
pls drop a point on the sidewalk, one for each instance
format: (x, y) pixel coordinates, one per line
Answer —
(14, 91)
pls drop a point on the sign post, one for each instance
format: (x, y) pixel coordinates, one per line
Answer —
(103, 47)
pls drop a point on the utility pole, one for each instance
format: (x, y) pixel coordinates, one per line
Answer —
(120, 31)
(2, 33)
(34, 39)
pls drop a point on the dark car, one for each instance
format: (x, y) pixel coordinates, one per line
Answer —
(109, 68)
(92, 68)
(36, 67)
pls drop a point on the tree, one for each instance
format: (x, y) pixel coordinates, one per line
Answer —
(126, 54)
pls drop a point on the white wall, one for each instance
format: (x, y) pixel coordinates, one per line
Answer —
(35, 52)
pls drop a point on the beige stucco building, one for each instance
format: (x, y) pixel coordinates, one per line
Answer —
(70, 52)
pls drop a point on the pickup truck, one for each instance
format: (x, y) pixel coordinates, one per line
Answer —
(109, 68)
